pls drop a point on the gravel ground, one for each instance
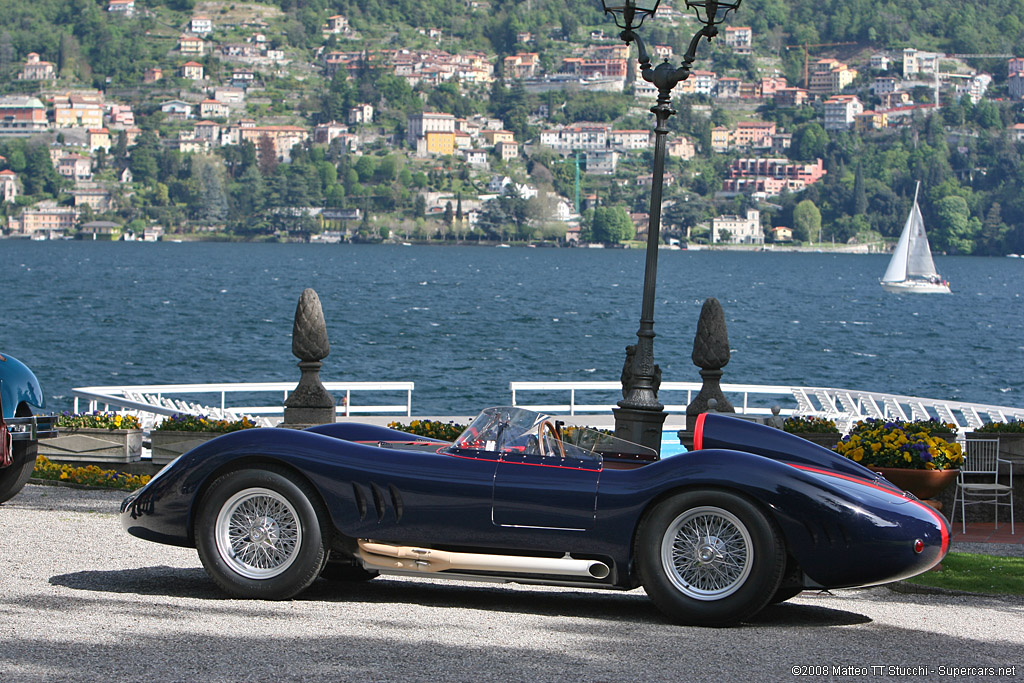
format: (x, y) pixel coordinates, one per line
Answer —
(80, 600)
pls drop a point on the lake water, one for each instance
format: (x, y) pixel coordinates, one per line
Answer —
(462, 322)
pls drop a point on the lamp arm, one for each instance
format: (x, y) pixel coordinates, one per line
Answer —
(708, 31)
(630, 36)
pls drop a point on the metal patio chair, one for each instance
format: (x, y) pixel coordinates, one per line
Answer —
(982, 461)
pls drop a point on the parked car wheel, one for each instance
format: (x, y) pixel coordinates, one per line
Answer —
(709, 558)
(258, 534)
(13, 477)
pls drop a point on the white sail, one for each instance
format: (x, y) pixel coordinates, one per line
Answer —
(897, 270)
(919, 255)
(911, 267)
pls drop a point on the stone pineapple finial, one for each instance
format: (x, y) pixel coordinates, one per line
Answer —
(710, 354)
(310, 403)
(309, 333)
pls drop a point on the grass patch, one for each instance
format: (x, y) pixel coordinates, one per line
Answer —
(976, 574)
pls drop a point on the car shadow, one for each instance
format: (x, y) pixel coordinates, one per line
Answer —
(632, 606)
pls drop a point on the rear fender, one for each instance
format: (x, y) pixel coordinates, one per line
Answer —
(842, 530)
(714, 430)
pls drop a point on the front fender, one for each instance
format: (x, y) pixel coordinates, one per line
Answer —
(19, 385)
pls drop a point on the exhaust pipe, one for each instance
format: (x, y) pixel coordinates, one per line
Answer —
(407, 558)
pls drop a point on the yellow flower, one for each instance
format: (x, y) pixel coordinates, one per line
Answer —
(906, 456)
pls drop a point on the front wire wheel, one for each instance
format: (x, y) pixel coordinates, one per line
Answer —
(709, 558)
(258, 534)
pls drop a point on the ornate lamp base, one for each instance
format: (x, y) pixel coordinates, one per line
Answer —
(640, 426)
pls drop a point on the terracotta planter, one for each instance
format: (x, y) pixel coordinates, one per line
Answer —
(922, 483)
(89, 445)
(168, 444)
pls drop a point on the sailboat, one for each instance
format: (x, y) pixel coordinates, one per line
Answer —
(911, 269)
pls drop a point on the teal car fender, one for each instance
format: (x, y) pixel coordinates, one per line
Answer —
(19, 386)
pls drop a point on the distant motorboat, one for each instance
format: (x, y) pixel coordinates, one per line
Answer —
(911, 269)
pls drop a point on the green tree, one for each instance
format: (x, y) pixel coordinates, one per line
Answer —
(211, 199)
(806, 221)
(955, 228)
(809, 142)
(611, 225)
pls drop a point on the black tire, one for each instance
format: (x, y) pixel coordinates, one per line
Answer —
(709, 558)
(13, 478)
(258, 533)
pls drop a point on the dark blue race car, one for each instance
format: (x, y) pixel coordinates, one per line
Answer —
(749, 517)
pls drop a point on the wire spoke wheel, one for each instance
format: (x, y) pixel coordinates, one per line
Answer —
(258, 533)
(707, 553)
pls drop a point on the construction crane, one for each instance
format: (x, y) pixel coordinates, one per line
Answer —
(806, 47)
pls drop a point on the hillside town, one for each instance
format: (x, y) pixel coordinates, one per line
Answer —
(233, 104)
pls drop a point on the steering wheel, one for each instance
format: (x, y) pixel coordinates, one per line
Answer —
(547, 426)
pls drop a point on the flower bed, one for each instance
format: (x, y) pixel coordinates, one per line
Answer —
(90, 475)
(1000, 428)
(433, 429)
(799, 424)
(94, 438)
(921, 445)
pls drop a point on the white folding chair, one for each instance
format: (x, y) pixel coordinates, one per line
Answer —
(981, 459)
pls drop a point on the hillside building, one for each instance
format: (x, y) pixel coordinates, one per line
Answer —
(78, 109)
(8, 185)
(916, 63)
(841, 110)
(36, 69)
(738, 229)
(20, 115)
(740, 39)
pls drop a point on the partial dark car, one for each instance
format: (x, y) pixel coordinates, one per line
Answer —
(749, 517)
(22, 423)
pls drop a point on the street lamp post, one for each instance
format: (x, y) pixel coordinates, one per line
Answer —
(640, 416)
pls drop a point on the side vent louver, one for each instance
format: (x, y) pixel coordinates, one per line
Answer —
(378, 501)
(360, 500)
(396, 501)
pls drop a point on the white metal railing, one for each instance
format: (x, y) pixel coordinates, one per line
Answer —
(845, 406)
(168, 399)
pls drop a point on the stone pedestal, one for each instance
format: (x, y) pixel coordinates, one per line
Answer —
(640, 426)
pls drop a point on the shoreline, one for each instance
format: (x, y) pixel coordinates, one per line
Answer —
(751, 248)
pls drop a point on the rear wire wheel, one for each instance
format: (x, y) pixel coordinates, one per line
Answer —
(709, 558)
